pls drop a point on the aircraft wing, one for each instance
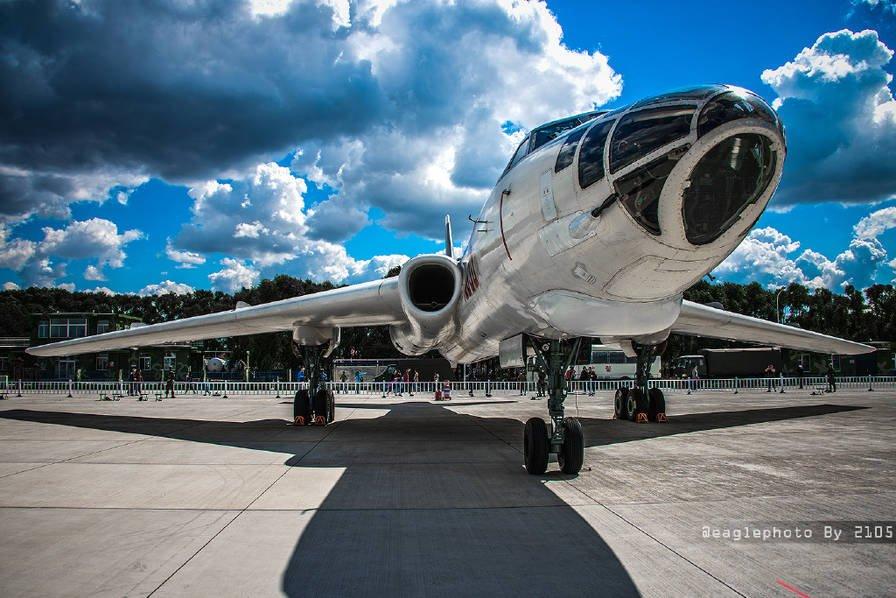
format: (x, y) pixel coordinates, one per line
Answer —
(367, 304)
(702, 320)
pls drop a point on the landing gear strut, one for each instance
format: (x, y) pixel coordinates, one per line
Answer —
(315, 405)
(565, 436)
(641, 404)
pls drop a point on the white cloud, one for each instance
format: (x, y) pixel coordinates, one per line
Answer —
(876, 223)
(10, 286)
(94, 239)
(770, 257)
(103, 290)
(165, 287)
(66, 286)
(234, 276)
(184, 259)
(766, 256)
(385, 99)
(448, 121)
(842, 82)
(93, 273)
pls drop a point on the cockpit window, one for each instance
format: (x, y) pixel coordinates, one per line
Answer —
(644, 131)
(733, 106)
(568, 151)
(639, 191)
(690, 93)
(518, 155)
(551, 131)
(730, 177)
(591, 156)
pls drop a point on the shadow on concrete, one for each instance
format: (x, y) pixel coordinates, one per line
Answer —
(493, 530)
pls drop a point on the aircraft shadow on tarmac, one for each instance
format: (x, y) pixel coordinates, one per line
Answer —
(376, 534)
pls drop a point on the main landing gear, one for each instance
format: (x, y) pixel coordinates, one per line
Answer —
(315, 405)
(641, 404)
(564, 436)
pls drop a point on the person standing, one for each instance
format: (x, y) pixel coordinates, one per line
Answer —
(800, 373)
(541, 385)
(695, 378)
(342, 378)
(416, 380)
(771, 374)
(169, 383)
(132, 381)
(138, 379)
(832, 380)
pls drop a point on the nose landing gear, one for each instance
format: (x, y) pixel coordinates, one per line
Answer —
(565, 439)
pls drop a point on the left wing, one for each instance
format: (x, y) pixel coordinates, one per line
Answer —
(368, 304)
(702, 320)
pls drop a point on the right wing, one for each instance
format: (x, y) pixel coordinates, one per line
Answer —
(368, 304)
(703, 320)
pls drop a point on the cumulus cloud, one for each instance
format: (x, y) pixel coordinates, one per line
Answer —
(10, 286)
(397, 117)
(102, 290)
(773, 258)
(93, 273)
(94, 238)
(37, 262)
(234, 276)
(835, 101)
(165, 287)
(184, 259)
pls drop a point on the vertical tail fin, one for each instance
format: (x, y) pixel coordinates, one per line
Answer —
(449, 240)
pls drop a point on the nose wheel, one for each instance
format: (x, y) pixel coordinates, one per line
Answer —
(537, 445)
(564, 436)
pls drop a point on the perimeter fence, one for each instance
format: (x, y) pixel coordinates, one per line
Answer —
(277, 389)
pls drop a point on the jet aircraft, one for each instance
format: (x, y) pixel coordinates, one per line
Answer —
(595, 228)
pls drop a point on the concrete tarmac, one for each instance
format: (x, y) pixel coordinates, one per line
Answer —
(409, 497)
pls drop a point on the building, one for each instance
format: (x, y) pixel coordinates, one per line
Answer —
(12, 356)
(152, 361)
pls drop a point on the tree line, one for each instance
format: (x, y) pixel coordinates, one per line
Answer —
(856, 315)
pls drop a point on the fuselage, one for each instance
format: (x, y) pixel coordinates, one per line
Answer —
(596, 229)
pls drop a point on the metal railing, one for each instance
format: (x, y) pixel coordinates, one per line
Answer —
(226, 388)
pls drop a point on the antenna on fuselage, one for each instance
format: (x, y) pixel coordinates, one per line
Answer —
(449, 239)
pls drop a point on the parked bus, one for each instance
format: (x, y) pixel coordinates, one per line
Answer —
(609, 363)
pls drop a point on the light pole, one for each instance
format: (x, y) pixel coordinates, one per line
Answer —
(777, 303)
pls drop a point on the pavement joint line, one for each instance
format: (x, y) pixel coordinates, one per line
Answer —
(661, 543)
(243, 510)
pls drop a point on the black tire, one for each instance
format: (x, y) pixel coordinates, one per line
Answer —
(619, 402)
(572, 453)
(637, 403)
(657, 403)
(321, 402)
(301, 406)
(535, 446)
(331, 407)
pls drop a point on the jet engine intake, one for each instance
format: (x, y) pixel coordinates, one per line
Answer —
(429, 289)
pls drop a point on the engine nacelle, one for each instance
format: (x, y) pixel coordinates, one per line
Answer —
(429, 288)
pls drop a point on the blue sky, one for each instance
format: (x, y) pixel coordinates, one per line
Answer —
(268, 136)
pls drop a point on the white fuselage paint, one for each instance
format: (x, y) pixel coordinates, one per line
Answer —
(609, 278)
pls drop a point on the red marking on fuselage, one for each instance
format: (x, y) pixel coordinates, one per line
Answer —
(501, 222)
